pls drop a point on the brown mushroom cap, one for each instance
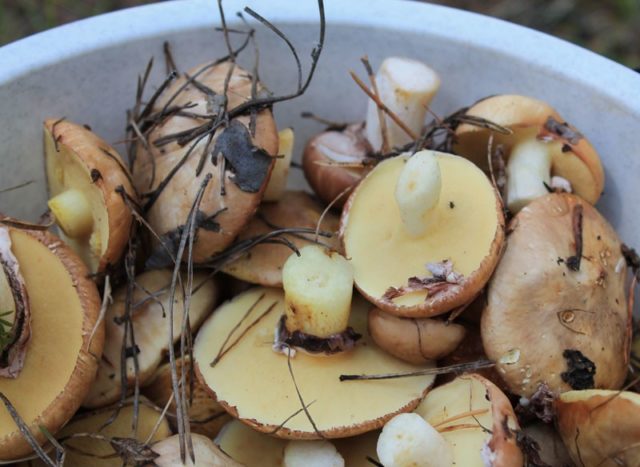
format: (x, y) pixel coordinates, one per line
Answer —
(551, 449)
(574, 159)
(263, 263)
(150, 318)
(600, 427)
(206, 416)
(545, 322)
(348, 146)
(470, 350)
(77, 158)
(94, 422)
(385, 256)
(222, 216)
(414, 340)
(61, 359)
(254, 384)
(477, 420)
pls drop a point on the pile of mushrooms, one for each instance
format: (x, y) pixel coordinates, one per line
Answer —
(430, 303)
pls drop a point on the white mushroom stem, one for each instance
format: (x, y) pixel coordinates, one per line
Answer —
(528, 169)
(318, 286)
(562, 184)
(72, 212)
(406, 87)
(418, 191)
(311, 454)
(278, 181)
(408, 440)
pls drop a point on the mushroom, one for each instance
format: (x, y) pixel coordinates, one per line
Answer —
(84, 449)
(320, 453)
(556, 310)
(357, 450)
(419, 260)
(87, 181)
(255, 449)
(548, 447)
(600, 427)
(471, 350)
(414, 340)
(166, 168)
(65, 343)
(150, 319)
(318, 287)
(406, 87)
(407, 440)
(542, 145)
(276, 188)
(476, 419)
(334, 161)
(296, 209)
(205, 452)
(15, 312)
(249, 447)
(260, 387)
(206, 416)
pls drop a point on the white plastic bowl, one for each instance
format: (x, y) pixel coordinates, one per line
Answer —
(87, 72)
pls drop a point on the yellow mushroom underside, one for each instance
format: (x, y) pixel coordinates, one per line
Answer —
(120, 427)
(254, 449)
(255, 381)
(66, 172)
(384, 255)
(566, 164)
(250, 447)
(467, 434)
(56, 338)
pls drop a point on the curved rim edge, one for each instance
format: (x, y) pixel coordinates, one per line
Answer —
(547, 52)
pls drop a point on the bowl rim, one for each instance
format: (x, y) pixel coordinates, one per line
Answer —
(556, 56)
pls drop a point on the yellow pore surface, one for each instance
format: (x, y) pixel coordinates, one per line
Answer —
(254, 449)
(250, 447)
(66, 172)
(56, 333)
(255, 380)
(384, 255)
(466, 434)
(119, 428)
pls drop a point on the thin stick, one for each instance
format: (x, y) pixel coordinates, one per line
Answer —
(24, 429)
(243, 333)
(182, 429)
(304, 406)
(156, 427)
(16, 187)
(281, 426)
(326, 210)
(381, 119)
(461, 367)
(60, 451)
(470, 413)
(238, 324)
(381, 105)
(107, 299)
(168, 58)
